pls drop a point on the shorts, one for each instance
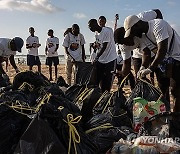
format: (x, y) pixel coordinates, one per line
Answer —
(33, 60)
(52, 60)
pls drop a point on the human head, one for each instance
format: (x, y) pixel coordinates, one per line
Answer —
(50, 32)
(102, 21)
(16, 44)
(93, 25)
(119, 37)
(133, 26)
(31, 30)
(75, 29)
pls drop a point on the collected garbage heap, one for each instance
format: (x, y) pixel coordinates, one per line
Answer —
(38, 117)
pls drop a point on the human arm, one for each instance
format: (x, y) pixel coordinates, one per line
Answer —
(160, 55)
(83, 53)
(57, 47)
(12, 62)
(100, 52)
(68, 54)
(126, 68)
(1, 68)
(46, 50)
(146, 57)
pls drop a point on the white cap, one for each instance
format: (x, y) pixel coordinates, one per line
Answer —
(128, 23)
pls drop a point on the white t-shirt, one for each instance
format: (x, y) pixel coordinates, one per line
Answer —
(147, 15)
(160, 30)
(30, 41)
(144, 16)
(139, 46)
(106, 35)
(5, 50)
(74, 45)
(51, 45)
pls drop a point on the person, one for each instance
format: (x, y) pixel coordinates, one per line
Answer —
(32, 44)
(102, 21)
(137, 53)
(52, 45)
(8, 48)
(105, 60)
(74, 49)
(167, 58)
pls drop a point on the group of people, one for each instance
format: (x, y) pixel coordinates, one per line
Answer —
(147, 39)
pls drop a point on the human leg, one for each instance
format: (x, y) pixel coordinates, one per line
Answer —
(176, 85)
(137, 64)
(56, 62)
(69, 66)
(49, 63)
(108, 76)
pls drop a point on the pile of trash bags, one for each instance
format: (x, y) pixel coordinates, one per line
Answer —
(37, 116)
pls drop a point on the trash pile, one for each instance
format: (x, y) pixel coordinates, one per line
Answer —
(37, 116)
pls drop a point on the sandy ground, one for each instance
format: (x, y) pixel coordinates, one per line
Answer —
(61, 72)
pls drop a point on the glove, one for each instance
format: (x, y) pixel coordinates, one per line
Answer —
(144, 72)
(17, 70)
(138, 73)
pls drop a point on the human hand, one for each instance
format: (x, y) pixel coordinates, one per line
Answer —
(34, 45)
(138, 73)
(95, 60)
(143, 72)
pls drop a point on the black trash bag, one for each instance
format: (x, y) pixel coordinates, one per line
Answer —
(53, 89)
(103, 133)
(13, 125)
(147, 91)
(73, 91)
(4, 89)
(57, 101)
(86, 101)
(23, 102)
(3, 82)
(163, 125)
(10, 97)
(35, 79)
(85, 74)
(117, 110)
(39, 138)
(61, 120)
(103, 103)
(61, 82)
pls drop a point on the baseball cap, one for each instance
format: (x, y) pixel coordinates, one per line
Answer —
(128, 23)
(19, 43)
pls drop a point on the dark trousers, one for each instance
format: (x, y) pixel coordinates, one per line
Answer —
(104, 76)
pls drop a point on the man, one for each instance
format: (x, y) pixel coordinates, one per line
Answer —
(105, 60)
(8, 48)
(52, 45)
(137, 53)
(74, 48)
(32, 44)
(161, 34)
(102, 21)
